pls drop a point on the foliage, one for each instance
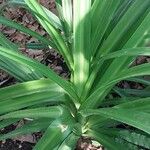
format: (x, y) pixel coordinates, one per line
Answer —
(99, 40)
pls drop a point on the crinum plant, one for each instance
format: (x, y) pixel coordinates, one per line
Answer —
(99, 40)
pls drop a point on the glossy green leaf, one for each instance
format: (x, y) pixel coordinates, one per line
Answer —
(126, 22)
(69, 143)
(142, 104)
(136, 138)
(41, 112)
(7, 122)
(24, 95)
(55, 35)
(137, 119)
(56, 133)
(108, 142)
(140, 70)
(101, 14)
(21, 28)
(7, 43)
(21, 3)
(81, 31)
(28, 128)
(16, 57)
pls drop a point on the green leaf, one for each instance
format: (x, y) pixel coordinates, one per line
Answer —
(55, 21)
(140, 80)
(55, 35)
(142, 104)
(137, 119)
(19, 71)
(136, 138)
(144, 51)
(140, 70)
(64, 8)
(126, 23)
(35, 46)
(134, 41)
(23, 95)
(134, 92)
(16, 57)
(19, 27)
(81, 31)
(7, 122)
(7, 43)
(56, 133)
(102, 11)
(107, 141)
(122, 9)
(28, 88)
(67, 13)
(30, 127)
(69, 143)
(41, 112)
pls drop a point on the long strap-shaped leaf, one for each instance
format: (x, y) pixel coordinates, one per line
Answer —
(56, 133)
(7, 122)
(127, 21)
(137, 93)
(67, 12)
(28, 88)
(43, 112)
(124, 52)
(57, 38)
(107, 141)
(124, 62)
(69, 143)
(132, 42)
(64, 8)
(130, 38)
(127, 52)
(136, 119)
(20, 72)
(81, 31)
(7, 43)
(35, 99)
(33, 126)
(94, 98)
(25, 94)
(136, 138)
(19, 27)
(122, 9)
(142, 104)
(38, 66)
(55, 21)
(101, 14)
(121, 137)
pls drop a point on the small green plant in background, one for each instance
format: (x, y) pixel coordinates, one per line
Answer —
(99, 40)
